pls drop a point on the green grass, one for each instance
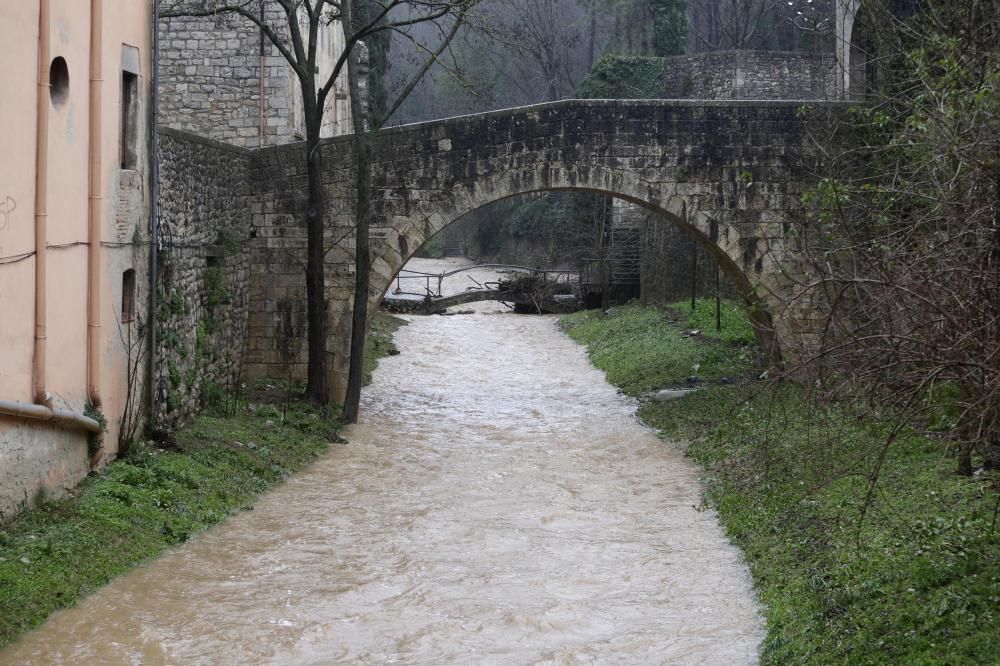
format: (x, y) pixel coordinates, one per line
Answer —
(641, 350)
(379, 343)
(54, 555)
(736, 326)
(916, 581)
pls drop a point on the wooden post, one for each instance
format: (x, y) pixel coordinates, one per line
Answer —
(718, 301)
(694, 274)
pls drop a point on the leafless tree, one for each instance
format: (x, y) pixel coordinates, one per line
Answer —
(296, 37)
(718, 25)
(514, 52)
(904, 243)
(363, 136)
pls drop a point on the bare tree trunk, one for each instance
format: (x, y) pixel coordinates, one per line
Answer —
(317, 385)
(605, 284)
(362, 263)
(605, 248)
(362, 253)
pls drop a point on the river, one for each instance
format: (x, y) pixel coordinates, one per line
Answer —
(499, 504)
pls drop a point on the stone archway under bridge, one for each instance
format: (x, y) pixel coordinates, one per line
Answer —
(730, 173)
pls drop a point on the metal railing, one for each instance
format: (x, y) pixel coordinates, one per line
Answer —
(571, 278)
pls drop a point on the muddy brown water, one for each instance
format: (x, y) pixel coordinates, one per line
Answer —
(499, 505)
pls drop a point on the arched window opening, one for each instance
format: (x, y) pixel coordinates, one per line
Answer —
(59, 81)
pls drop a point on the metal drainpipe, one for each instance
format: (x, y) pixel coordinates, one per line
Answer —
(96, 192)
(154, 212)
(40, 393)
(42, 413)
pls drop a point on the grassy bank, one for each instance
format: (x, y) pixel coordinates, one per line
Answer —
(642, 349)
(902, 572)
(54, 555)
(379, 343)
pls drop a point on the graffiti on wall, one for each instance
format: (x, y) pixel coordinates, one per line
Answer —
(7, 207)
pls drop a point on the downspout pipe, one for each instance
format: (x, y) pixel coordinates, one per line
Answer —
(42, 413)
(39, 391)
(154, 214)
(94, 215)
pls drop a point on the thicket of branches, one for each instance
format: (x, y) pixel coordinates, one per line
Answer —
(906, 247)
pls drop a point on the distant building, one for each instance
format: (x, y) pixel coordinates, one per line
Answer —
(74, 209)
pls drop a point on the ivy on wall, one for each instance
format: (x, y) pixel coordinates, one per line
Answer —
(624, 77)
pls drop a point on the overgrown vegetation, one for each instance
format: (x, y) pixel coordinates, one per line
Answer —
(907, 575)
(905, 240)
(624, 77)
(380, 344)
(52, 556)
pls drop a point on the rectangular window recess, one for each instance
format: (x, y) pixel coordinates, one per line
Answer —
(129, 138)
(128, 296)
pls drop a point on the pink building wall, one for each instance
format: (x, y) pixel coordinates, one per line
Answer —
(37, 458)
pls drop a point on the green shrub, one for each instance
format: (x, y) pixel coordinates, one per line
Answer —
(624, 77)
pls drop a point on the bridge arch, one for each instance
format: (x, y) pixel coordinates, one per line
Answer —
(626, 186)
(731, 173)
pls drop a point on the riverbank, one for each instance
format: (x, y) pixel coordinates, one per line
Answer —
(498, 499)
(53, 555)
(905, 574)
(137, 507)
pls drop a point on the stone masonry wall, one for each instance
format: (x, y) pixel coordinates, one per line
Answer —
(277, 318)
(730, 173)
(210, 70)
(204, 271)
(752, 75)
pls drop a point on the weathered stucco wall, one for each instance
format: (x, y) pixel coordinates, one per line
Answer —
(39, 459)
(752, 75)
(204, 271)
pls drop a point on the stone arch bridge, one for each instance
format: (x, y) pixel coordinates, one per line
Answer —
(730, 173)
